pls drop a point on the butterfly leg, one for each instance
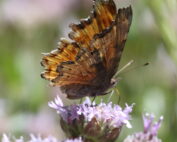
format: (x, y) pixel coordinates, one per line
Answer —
(93, 99)
(80, 100)
(111, 93)
(119, 98)
(105, 93)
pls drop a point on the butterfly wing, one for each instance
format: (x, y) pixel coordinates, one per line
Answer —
(103, 14)
(72, 68)
(111, 41)
(77, 79)
(91, 31)
(66, 51)
(70, 65)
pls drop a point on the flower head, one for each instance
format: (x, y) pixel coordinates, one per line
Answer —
(103, 121)
(150, 131)
(149, 126)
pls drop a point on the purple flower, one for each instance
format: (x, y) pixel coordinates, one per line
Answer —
(150, 131)
(33, 138)
(149, 126)
(68, 113)
(91, 120)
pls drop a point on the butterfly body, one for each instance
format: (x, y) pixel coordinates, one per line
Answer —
(86, 66)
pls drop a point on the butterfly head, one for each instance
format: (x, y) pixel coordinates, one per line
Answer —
(113, 82)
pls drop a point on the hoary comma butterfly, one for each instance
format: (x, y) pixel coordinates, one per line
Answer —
(86, 65)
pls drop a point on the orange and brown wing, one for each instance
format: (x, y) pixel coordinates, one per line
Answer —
(111, 41)
(103, 14)
(81, 71)
(69, 65)
(66, 51)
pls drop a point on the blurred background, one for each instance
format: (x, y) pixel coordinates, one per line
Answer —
(30, 27)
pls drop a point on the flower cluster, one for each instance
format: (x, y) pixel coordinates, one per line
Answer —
(92, 122)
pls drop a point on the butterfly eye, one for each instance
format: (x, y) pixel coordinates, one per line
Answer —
(113, 82)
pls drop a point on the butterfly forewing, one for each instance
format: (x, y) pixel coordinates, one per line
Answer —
(103, 14)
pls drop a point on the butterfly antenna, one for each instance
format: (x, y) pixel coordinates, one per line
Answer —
(124, 67)
(143, 65)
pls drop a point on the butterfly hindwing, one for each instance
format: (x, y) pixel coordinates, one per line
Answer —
(70, 65)
(80, 71)
(66, 51)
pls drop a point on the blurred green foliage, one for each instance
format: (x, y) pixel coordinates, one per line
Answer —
(152, 38)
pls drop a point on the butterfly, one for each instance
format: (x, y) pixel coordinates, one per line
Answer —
(86, 64)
